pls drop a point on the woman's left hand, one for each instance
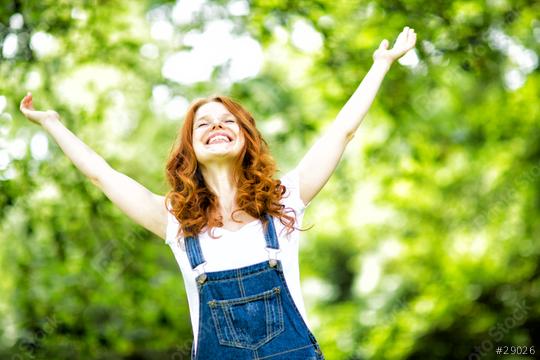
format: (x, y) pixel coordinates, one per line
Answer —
(404, 42)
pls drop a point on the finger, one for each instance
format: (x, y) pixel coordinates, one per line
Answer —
(412, 39)
(29, 103)
(411, 32)
(402, 35)
(24, 102)
(384, 44)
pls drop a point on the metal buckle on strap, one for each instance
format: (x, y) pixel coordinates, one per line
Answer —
(272, 256)
(201, 273)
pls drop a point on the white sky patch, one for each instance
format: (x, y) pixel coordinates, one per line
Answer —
(184, 67)
(10, 47)
(369, 274)
(16, 21)
(17, 148)
(365, 210)
(525, 60)
(162, 30)
(33, 80)
(184, 11)
(4, 159)
(47, 191)
(474, 245)
(161, 12)
(6, 121)
(44, 44)
(39, 146)
(305, 37)
(214, 47)
(274, 125)
(4, 130)
(149, 51)
(391, 248)
(77, 84)
(176, 108)
(514, 79)
(326, 21)
(247, 58)
(238, 8)
(9, 174)
(117, 117)
(316, 289)
(281, 34)
(79, 14)
(160, 94)
(3, 103)
(214, 43)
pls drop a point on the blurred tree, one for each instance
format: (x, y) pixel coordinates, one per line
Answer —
(425, 242)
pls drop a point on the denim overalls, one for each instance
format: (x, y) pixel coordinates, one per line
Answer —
(249, 313)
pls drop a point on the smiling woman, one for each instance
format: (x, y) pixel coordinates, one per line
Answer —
(221, 176)
(230, 162)
(222, 187)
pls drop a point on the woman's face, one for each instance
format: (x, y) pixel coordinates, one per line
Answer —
(216, 134)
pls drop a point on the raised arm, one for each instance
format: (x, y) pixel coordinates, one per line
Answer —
(320, 161)
(140, 204)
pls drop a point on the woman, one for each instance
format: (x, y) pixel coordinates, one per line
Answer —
(243, 282)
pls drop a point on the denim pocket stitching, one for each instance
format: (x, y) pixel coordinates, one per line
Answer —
(216, 323)
(230, 325)
(224, 306)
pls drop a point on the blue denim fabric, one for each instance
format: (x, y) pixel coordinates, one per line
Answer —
(249, 313)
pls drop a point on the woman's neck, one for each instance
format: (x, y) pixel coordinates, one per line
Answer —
(219, 179)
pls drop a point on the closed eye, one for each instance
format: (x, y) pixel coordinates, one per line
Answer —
(201, 124)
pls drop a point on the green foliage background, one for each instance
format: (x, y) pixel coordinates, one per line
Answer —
(426, 238)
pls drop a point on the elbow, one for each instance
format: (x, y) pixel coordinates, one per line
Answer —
(95, 181)
(100, 170)
(344, 133)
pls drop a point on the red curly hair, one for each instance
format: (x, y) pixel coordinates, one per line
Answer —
(194, 204)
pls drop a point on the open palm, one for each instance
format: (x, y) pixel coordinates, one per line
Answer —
(404, 42)
(27, 108)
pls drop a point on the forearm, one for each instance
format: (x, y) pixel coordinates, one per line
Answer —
(353, 112)
(83, 157)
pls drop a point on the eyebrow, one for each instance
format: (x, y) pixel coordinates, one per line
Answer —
(206, 116)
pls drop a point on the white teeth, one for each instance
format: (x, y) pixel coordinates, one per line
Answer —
(219, 138)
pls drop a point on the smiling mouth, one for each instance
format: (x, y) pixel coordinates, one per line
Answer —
(219, 139)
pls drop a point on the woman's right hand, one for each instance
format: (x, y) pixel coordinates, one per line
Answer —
(39, 117)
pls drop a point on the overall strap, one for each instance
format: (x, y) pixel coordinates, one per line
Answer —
(272, 243)
(270, 233)
(194, 252)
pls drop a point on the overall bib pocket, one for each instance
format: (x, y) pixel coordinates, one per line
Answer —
(248, 322)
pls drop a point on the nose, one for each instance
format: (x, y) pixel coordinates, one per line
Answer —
(216, 123)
